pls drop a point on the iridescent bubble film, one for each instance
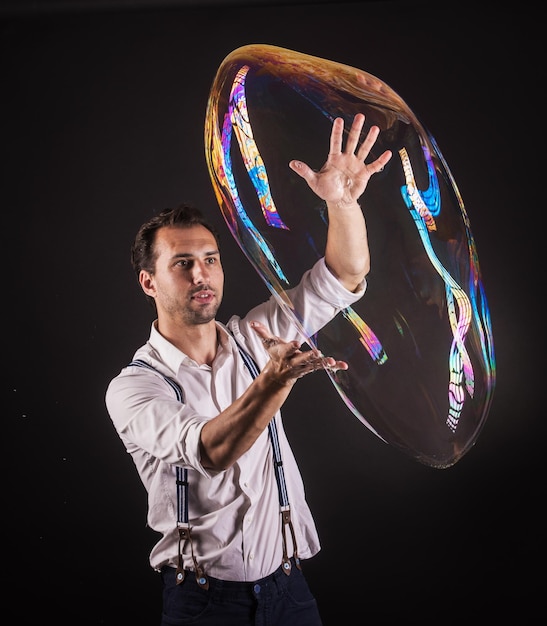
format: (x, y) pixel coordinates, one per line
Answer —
(419, 343)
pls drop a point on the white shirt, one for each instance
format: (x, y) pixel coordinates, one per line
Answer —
(234, 515)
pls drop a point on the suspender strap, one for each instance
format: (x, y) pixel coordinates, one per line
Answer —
(279, 476)
(182, 486)
(185, 532)
(172, 383)
(182, 495)
(183, 525)
(274, 438)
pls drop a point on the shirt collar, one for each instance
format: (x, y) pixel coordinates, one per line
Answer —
(172, 356)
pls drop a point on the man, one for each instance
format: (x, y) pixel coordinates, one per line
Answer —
(198, 408)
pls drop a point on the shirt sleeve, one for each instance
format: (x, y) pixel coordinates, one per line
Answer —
(299, 312)
(152, 422)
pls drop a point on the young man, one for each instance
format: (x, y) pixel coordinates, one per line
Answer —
(202, 422)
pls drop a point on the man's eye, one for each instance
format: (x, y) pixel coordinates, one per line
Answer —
(211, 260)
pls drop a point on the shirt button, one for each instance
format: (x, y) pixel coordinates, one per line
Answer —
(251, 556)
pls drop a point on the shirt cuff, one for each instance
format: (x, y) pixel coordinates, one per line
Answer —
(331, 288)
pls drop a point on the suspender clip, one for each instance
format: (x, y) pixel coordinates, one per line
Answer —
(184, 536)
(286, 562)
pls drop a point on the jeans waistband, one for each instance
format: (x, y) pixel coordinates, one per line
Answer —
(278, 578)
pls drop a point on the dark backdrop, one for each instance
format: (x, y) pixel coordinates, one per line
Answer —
(102, 113)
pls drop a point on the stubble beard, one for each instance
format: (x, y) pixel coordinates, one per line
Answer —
(202, 314)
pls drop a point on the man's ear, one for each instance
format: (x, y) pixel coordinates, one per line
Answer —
(147, 283)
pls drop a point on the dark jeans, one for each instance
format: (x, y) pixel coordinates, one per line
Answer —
(277, 600)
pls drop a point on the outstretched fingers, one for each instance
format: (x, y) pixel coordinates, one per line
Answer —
(369, 141)
(290, 361)
(301, 363)
(361, 151)
(272, 344)
(366, 147)
(336, 135)
(354, 133)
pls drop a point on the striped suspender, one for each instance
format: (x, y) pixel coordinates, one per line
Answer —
(182, 497)
(172, 383)
(182, 486)
(279, 475)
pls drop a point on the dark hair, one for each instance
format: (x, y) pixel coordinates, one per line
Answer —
(143, 254)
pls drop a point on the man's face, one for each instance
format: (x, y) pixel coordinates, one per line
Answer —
(188, 280)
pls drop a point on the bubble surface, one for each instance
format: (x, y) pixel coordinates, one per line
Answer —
(419, 343)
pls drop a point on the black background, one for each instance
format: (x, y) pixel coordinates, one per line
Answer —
(102, 112)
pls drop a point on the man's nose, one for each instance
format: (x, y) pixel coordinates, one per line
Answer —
(199, 273)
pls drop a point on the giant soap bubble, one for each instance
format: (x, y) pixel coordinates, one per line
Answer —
(419, 343)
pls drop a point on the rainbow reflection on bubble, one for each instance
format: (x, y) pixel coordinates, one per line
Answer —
(419, 343)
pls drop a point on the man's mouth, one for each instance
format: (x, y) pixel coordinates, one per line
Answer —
(204, 296)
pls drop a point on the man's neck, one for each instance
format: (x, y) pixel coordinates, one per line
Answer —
(198, 341)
